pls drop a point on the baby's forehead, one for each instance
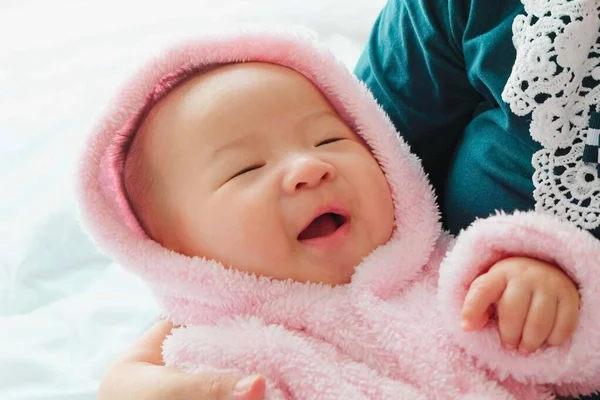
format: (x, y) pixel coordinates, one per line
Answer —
(206, 86)
(222, 95)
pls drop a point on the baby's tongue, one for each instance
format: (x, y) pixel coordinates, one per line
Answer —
(323, 225)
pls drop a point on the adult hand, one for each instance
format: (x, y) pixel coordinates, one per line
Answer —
(141, 374)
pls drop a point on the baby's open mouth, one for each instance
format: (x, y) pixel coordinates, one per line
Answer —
(324, 225)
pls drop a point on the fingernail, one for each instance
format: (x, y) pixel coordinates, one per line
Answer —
(465, 325)
(509, 346)
(243, 386)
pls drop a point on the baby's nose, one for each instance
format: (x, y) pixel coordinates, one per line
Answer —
(307, 172)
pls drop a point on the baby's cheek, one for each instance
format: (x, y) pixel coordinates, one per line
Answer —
(244, 225)
(249, 235)
(378, 201)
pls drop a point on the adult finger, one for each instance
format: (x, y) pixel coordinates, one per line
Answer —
(224, 387)
(140, 373)
(152, 382)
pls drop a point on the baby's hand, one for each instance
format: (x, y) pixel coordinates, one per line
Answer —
(536, 303)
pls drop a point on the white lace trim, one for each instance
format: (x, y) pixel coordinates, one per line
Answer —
(556, 79)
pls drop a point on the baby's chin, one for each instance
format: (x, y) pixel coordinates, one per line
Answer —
(332, 272)
(339, 274)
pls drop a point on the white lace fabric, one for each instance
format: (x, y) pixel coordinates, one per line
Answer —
(556, 81)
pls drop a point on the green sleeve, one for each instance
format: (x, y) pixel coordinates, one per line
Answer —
(414, 65)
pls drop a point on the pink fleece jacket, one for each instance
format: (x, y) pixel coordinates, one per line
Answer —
(394, 331)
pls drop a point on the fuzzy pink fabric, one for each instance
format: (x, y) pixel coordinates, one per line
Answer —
(390, 333)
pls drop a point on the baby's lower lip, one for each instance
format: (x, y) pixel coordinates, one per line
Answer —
(333, 240)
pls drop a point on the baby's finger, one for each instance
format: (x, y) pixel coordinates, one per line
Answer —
(539, 322)
(483, 292)
(565, 323)
(512, 312)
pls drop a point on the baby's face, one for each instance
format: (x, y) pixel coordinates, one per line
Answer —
(259, 172)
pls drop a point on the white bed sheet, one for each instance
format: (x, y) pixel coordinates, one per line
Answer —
(65, 310)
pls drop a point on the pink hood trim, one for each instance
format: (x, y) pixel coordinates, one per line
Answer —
(196, 290)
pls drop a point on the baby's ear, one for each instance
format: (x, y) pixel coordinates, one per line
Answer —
(392, 268)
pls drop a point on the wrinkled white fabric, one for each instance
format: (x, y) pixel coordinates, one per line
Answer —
(66, 312)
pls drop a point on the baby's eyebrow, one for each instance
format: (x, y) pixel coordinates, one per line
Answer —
(240, 141)
(315, 116)
(250, 139)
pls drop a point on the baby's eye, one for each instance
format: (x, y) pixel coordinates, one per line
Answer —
(245, 170)
(328, 141)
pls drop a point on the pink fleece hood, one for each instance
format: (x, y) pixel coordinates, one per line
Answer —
(195, 289)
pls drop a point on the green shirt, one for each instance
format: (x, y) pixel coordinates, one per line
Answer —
(438, 68)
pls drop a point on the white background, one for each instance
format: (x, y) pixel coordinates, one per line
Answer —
(65, 310)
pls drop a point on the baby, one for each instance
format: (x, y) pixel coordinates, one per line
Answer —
(231, 165)
(280, 220)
